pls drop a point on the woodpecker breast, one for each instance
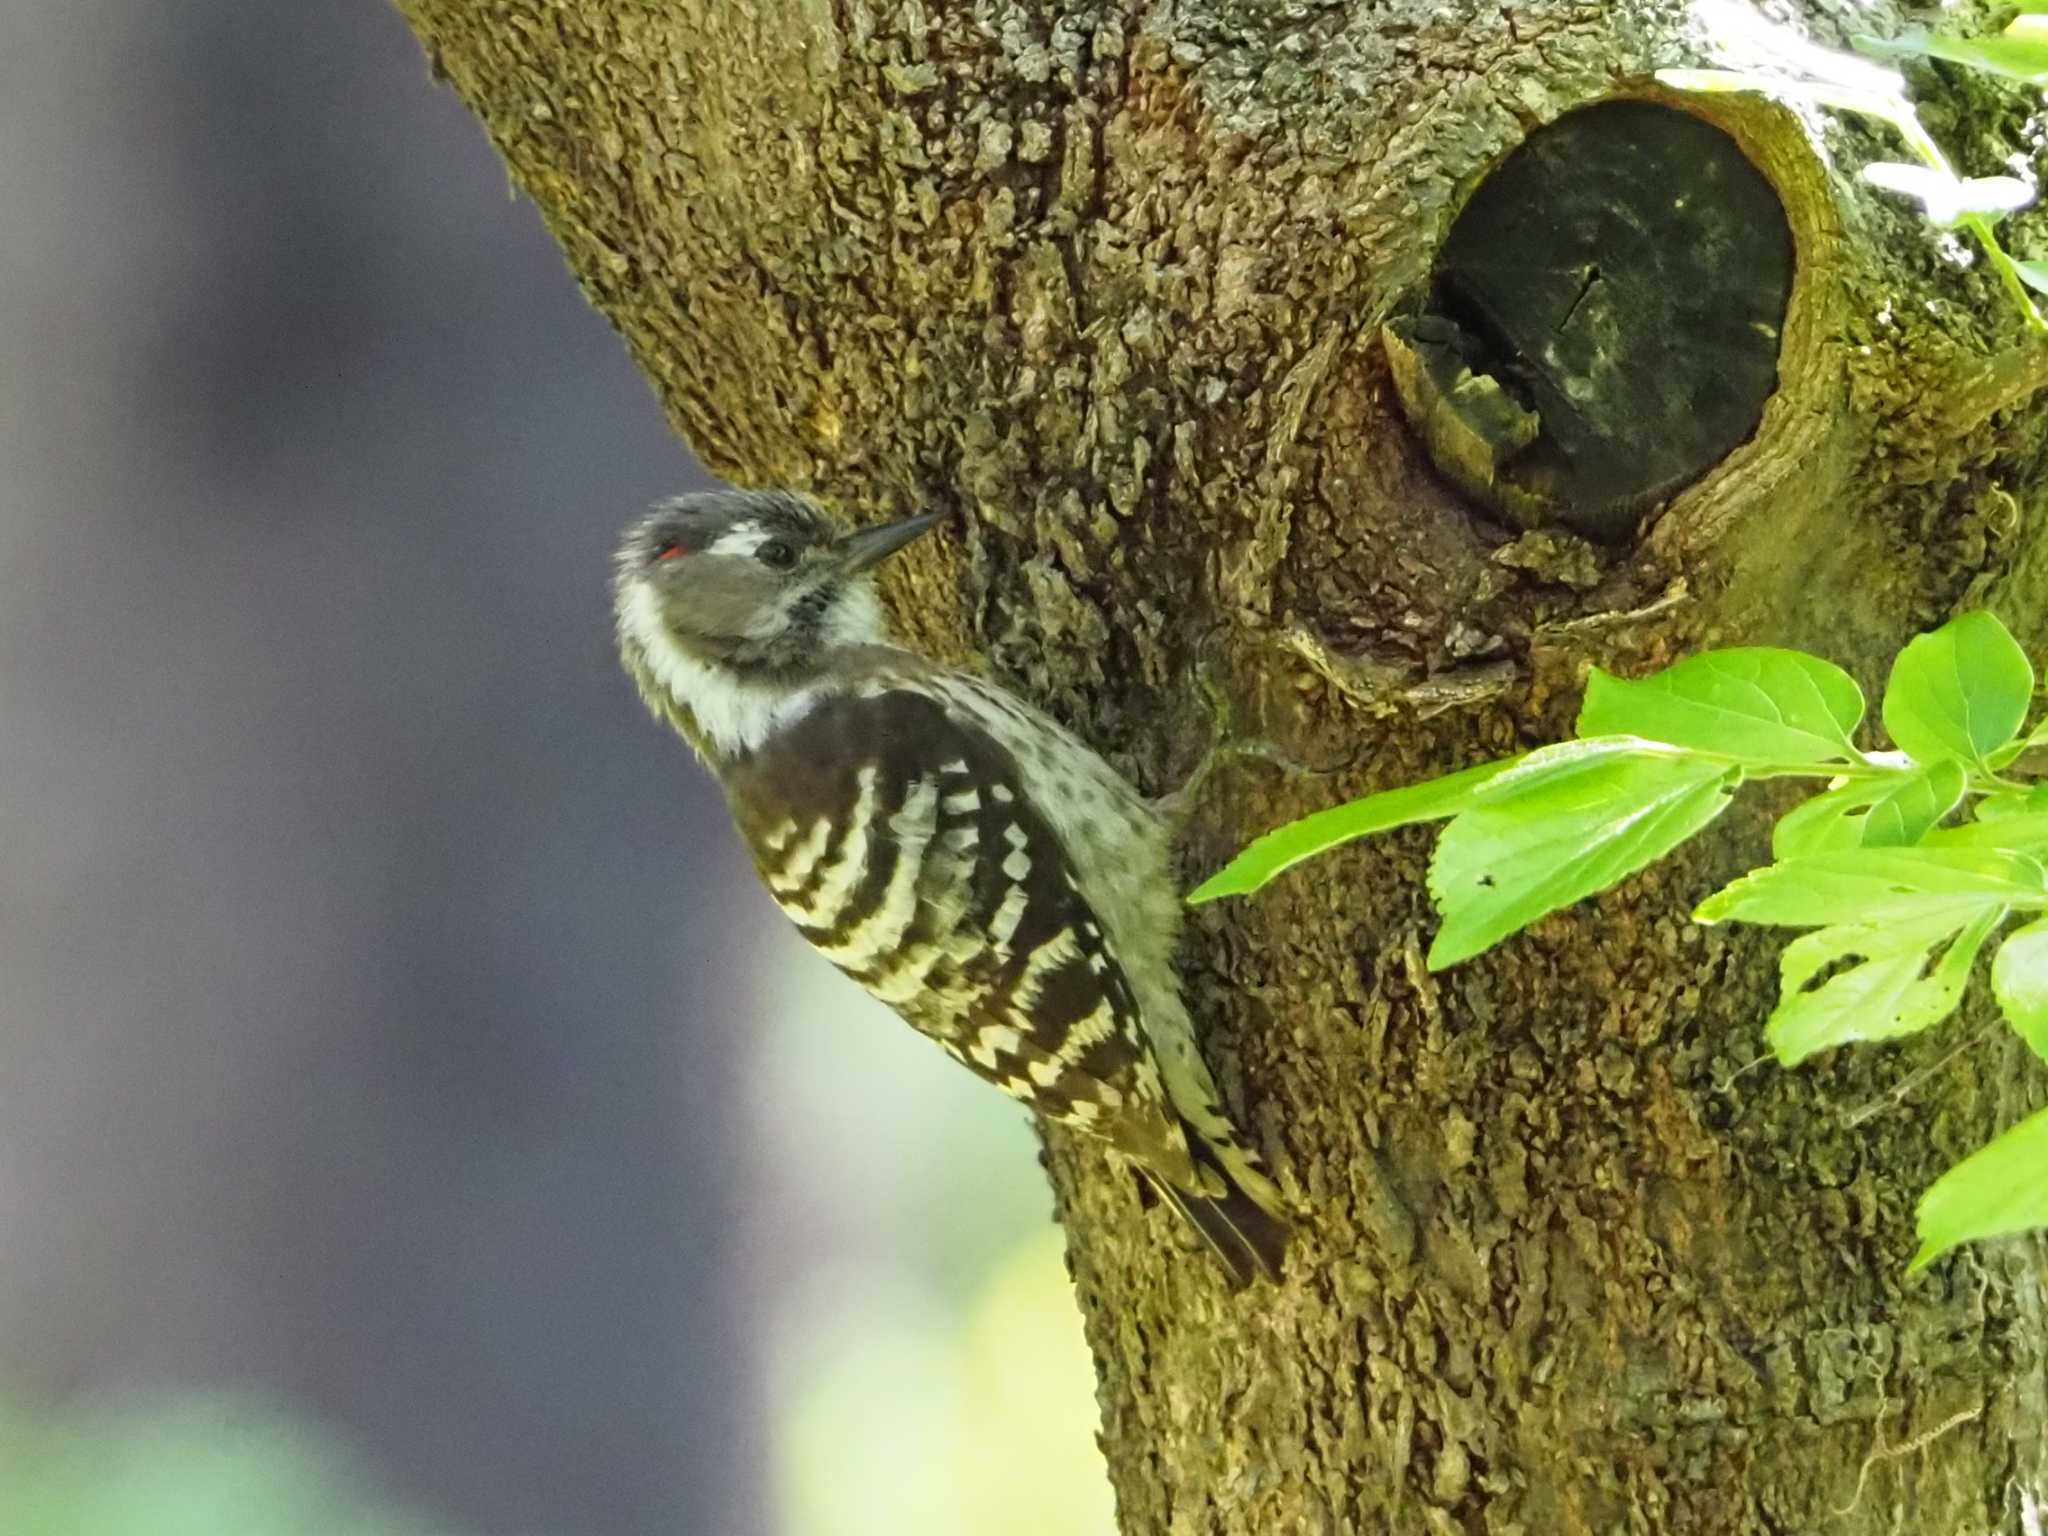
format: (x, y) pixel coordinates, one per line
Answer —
(897, 834)
(983, 872)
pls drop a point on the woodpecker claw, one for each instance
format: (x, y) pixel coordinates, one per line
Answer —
(1177, 805)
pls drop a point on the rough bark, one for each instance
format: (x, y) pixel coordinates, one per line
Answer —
(1109, 278)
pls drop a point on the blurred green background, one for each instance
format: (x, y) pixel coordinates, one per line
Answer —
(412, 1118)
(931, 1375)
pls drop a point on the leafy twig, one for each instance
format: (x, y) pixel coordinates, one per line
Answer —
(1902, 869)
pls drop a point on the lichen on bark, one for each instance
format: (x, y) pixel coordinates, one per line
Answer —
(1108, 278)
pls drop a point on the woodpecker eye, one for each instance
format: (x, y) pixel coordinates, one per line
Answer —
(776, 555)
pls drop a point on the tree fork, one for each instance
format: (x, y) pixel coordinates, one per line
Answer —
(1115, 281)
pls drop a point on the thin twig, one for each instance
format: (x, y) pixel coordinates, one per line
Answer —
(1885, 1452)
(1895, 1095)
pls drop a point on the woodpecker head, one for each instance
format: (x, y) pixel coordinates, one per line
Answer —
(745, 589)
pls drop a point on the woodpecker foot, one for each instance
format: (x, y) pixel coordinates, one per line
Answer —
(1177, 805)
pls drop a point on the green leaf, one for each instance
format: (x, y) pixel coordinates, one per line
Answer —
(2017, 54)
(2033, 273)
(1958, 692)
(2019, 980)
(1811, 953)
(1873, 885)
(2011, 802)
(1565, 822)
(1284, 847)
(1912, 808)
(1829, 821)
(1997, 1189)
(2020, 832)
(1884, 997)
(1753, 703)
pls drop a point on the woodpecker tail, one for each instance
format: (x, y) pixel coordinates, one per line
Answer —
(1248, 1239)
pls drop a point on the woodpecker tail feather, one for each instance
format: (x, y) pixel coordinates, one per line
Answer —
(1248, 1239)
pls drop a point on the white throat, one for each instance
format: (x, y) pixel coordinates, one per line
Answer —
(856, 619)
(733, 713)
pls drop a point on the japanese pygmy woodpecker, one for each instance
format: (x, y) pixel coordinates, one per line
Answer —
(965, 858)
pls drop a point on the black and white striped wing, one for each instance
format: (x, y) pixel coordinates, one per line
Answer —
(896, 835)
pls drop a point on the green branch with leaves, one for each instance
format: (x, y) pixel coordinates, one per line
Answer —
(1902, 868)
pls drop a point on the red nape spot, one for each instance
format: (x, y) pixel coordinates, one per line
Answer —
(670, 551)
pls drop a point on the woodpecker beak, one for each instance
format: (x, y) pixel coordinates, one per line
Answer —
(871, 546)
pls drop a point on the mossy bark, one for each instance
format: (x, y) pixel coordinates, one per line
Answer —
(1109, 279)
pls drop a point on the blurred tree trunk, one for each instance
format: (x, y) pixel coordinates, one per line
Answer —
(1110, 278)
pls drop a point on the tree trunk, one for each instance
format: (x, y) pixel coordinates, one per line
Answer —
(1112, 279)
